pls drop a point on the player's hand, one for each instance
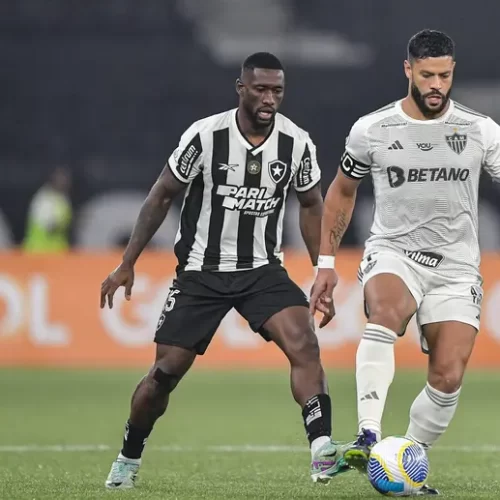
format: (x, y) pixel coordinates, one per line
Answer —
(123, 275)
(322, 295)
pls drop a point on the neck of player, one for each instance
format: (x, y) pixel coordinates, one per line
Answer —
(411, 108)
(254, 135)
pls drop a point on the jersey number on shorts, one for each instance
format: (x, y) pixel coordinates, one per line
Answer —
(170, 302)
(169, 305)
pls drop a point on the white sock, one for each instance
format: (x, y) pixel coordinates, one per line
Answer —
(374, 375)
(318, 443)
(430, 415)
(123, 458)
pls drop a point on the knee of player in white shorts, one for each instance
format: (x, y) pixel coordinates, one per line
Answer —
(446, 382)
(447, 378)
(387, 315)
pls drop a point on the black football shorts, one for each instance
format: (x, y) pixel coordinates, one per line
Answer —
(199, 300)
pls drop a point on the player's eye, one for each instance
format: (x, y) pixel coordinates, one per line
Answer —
(278, 91)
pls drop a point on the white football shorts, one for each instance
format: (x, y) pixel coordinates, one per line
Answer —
(439, 298)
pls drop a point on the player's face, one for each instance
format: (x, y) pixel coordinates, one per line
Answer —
(261, 92)
(430, 83)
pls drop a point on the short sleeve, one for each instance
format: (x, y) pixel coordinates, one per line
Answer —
(186, 160)
(355, 162)
(308, 173)
(491, 160)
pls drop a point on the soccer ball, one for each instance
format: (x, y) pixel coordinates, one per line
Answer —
(398, 467)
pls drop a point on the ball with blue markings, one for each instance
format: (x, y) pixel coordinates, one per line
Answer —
(398, 467)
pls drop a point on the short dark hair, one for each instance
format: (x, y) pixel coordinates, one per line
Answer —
(430, 43)
(263, 60)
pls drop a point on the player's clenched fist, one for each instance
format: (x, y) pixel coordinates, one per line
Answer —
(123, 275)
(322, 295)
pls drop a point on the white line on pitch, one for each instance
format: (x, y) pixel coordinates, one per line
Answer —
(32, 448)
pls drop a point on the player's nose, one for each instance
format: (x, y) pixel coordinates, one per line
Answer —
(268, 99)
(437, 83)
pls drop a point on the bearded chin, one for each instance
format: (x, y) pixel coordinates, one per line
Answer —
(251, 114)
(422, 106)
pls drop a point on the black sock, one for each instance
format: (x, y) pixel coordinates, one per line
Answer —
(134, 440)
(317, 415)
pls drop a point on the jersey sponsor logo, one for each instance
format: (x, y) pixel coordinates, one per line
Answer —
(457, 142)
(425, 146)
(187, 159)
(304, 175)
(397, 175)
(427, 259)
(249, 200)
(277, 170)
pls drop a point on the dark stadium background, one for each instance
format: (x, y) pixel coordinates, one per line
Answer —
(107, 87)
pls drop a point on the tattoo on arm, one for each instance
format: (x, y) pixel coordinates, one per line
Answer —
(336, 234)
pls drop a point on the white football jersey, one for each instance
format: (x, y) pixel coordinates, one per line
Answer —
(425, 177)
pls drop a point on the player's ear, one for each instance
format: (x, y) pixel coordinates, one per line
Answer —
(239, 86)
(407, 66)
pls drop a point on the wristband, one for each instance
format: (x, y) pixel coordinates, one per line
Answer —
(326, 262)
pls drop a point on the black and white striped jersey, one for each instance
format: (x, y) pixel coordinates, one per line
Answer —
(234, 205)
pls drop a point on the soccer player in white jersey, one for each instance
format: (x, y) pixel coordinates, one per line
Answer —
(238, 167)
(425, 154)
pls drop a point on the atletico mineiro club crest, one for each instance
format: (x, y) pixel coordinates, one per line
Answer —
(457, 142)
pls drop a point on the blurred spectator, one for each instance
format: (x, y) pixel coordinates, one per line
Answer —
(49, 215)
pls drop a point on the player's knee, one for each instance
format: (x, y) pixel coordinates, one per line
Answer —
(165, 382)
(301, 347)
(446, 377)
(389, 315)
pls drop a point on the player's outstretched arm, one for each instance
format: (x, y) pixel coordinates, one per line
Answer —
(152, 214)
(337, 213)
(310, 212)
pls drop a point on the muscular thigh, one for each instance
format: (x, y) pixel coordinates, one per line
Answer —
(392, 291)
(458, 302)
(268, 291)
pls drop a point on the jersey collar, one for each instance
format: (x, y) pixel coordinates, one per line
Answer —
(244, 141)
(441, 119)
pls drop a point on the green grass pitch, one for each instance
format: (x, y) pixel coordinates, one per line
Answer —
(227, 435)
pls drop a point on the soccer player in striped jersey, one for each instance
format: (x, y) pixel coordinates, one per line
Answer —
(425, 154)
(237, 168)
